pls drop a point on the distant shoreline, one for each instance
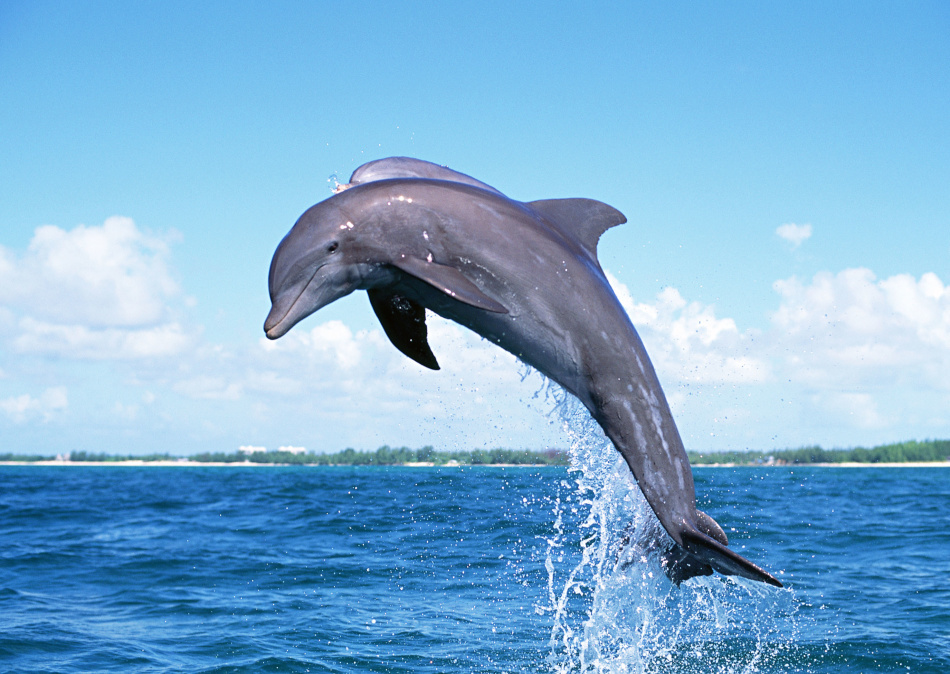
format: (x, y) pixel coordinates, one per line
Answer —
(254, 464)
(843, 464)
(912, 453)
(134, 463)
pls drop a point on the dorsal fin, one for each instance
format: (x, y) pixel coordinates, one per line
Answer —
(584, 220)
(407, 167)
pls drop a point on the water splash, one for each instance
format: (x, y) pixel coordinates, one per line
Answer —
(611, 605)
(333, 182)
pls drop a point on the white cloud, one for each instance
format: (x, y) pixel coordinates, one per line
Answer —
(329, 342)
(850, 329)
(364, 364)
(112, 275)
(79, 341)
(845, 354)
(24, 407)
(794, 234)
(99, 292)
(688, 343)
(843, 331)
(330, 386)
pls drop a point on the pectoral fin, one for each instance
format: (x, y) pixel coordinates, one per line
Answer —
(404, 322)
(449, 280)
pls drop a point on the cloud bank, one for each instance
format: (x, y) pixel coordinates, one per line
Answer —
(99, 292)
(95, 316)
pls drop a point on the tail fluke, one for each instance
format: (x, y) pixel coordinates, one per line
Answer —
(701, 554)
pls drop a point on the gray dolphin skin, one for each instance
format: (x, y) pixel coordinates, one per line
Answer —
(418, 236)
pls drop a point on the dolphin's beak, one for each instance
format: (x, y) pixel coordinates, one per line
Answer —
(285, 310)
(272, 326)
(295, 303)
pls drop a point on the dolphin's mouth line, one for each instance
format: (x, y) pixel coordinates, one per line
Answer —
(268, 331)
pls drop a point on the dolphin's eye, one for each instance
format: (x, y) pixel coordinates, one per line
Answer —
(332, 247)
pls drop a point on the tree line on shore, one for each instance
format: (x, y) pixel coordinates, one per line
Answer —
(902, 452)
(394, 456)
(384, 456)
(912, 451)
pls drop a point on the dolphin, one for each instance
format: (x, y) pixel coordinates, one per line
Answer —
(524, 275)
(407, 167)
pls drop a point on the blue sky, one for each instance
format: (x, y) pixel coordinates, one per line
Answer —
(784, 168)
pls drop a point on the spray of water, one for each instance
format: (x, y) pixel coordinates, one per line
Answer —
(613, 609)
(333, 182)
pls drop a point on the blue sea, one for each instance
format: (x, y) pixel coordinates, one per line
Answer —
(466, 569)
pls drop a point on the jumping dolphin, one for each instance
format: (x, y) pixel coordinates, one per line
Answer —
(525, 276)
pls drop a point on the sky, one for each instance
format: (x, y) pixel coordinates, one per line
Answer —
(784, 168)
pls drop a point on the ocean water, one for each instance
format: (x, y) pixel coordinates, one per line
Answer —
(336, 569)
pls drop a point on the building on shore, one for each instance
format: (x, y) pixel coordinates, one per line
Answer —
(253, 449)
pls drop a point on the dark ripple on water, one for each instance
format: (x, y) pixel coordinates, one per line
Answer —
(434, 570)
